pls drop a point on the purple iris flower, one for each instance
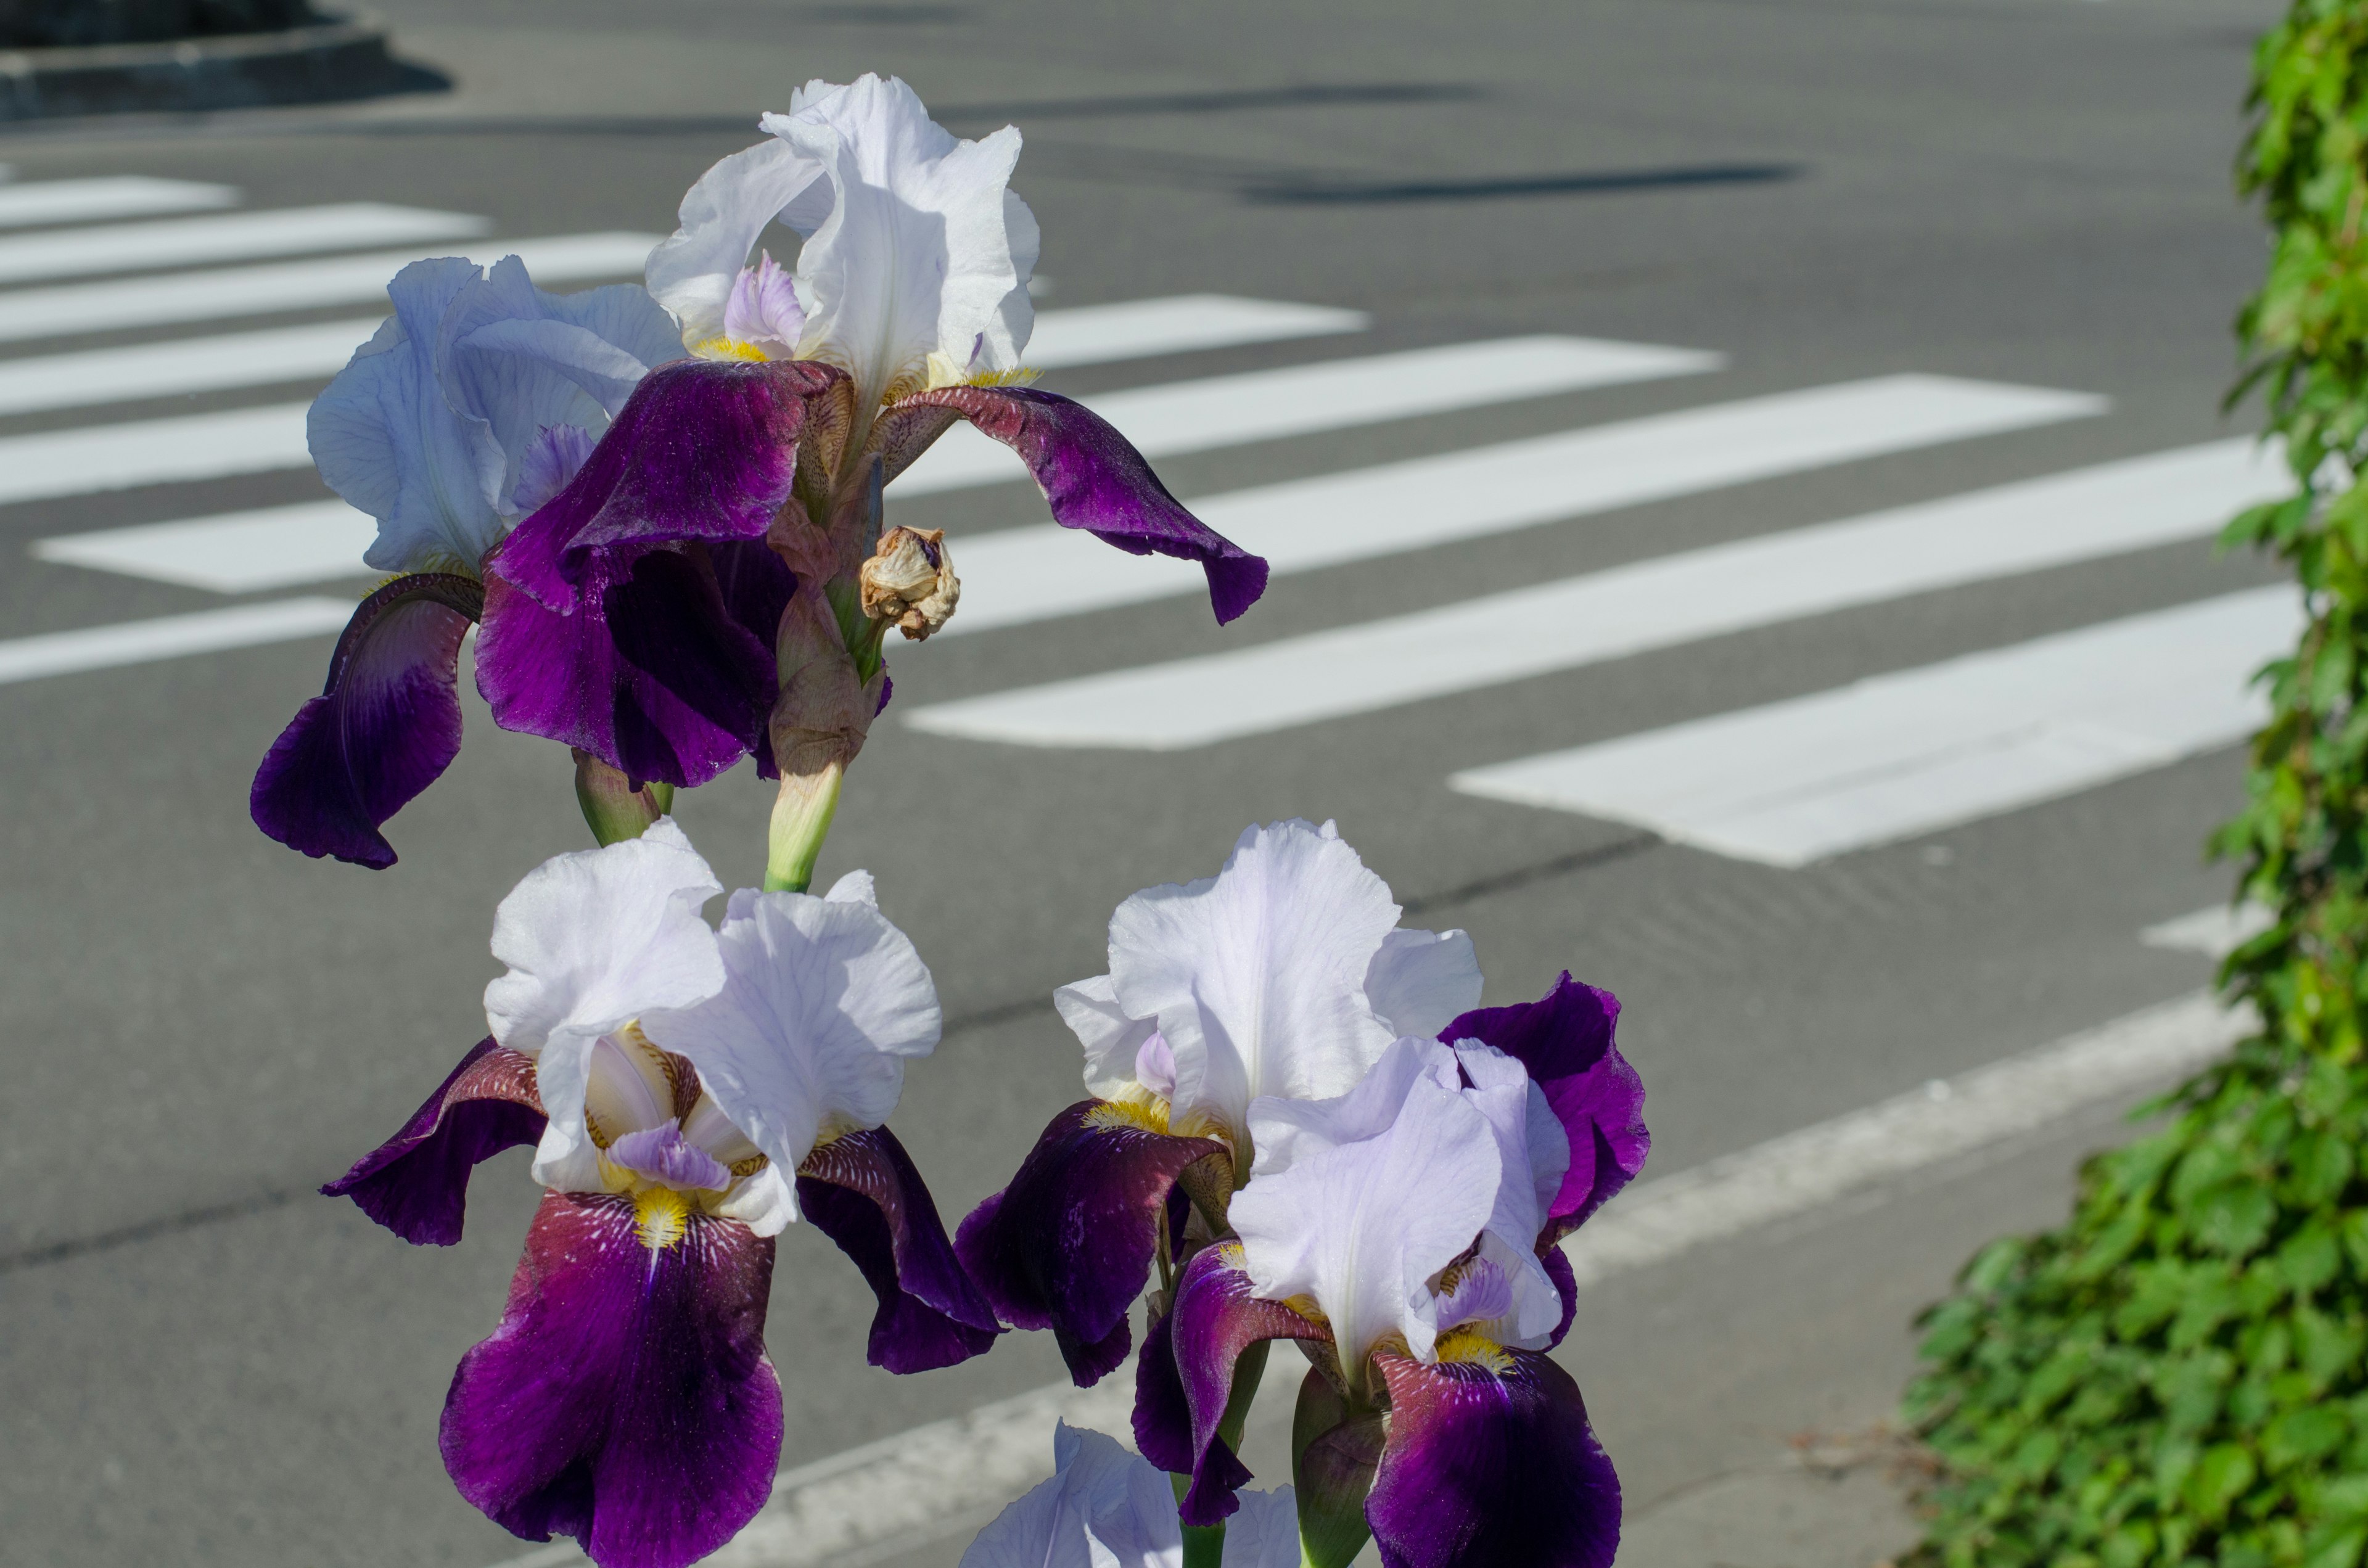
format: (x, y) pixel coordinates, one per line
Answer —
(690, 1092)
(476, 402)
(1403, 1234)
(1286, 974)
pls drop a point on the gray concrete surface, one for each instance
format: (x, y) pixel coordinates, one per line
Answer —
(200, 1364)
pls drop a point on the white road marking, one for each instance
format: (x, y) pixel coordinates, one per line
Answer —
(1929, 748)
(179, 366)
(170, 637)
(236, 552)
(79, 309)
(113, 196)
(1655, 603)
(904, 1491)
(1260, 406)
(1098, 335)
(152, 451)
(233, 237)
(1035, 574)
(2215, 932)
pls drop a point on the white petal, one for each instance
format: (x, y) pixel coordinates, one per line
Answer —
(1104, 1508)
(1111, 1039)
(593, 939)
(692, 270)
(856, 887)
(1265, 1533)
(1363, 1227)
(1422, 981)
(1287, 1132)
(767, 1202)
(1256, 976)
(924, 252)
(823, 1002)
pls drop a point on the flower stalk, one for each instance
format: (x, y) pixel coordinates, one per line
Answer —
(617, 807)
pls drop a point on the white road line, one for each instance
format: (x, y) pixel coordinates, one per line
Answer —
(1659, 602)
(923, 1484)
(236, 552)
(1096, 335)
(179, 366)
(2215, 932)
(1194, 416)
(1027, 575)
(170, 637)
(1929, 748)
(152, 451)
(234, 236)
(114, 196)
(78, 310)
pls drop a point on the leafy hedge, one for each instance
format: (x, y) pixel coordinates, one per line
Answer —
(2177, 1375)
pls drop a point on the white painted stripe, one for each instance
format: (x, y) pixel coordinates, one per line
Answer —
(1096, 335)
(234, 236)
(170, 637)
(902, 1491)
(114, 196)
(1929, 748)
(236, 552)
(1027, 575)
(2215, 932)
(1260, 406)
(152, 451)
(82, 308)
(1660, 603)
(179, 366)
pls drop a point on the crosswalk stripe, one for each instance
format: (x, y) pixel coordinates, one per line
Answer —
(152, 451)
(114, 196)
(178, 367)
(1222, 411)
(1096, 335)
(79, 309)
(170, 637)
(232, 236)
(1033, 573)
(234, 552)
(1926, 749)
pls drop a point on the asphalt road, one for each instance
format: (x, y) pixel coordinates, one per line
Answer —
(200, 1362)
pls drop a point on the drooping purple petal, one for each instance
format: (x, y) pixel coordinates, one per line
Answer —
(863, 1192)
(1163, 1416)
(1491, 1462)
(703, 449)
(652, 673)
(416, 1183)
(1566, 1280)
(1215, 1320)
(1565, 1038)
(1069, 1244)
(757, 585)
(1094, 478)
(385, 726)
(626, 1399)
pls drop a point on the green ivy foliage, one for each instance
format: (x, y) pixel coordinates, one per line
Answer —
(2177, 1375)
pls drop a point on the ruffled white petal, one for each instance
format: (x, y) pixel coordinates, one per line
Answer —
(1422, 981)
(592, 940)
(1265, 1533)
(1257, 975)
(1363, 1222)
(822, 1003)
(918, 272)
(692, 271)
(1106, 1508)
(1111, 1039)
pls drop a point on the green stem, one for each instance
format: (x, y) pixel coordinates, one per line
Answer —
(1205, 1545)
(612, 808)
(800, 821)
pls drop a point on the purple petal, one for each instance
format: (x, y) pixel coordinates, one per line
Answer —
(652, 673)
(703, 449)
(1488, 1464)
(863, 1192)
(1094, 478)
(626, 1399)
(1565, 1038)
(384, 728)
(1163, 1416)
(416, 1183)
(664, 1155)
(1216, 1319)
(1069, 1244)
(1566, 1280)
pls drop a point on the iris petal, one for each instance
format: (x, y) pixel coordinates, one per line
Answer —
(385, 726)
(1217, 1318)
(863, 1192)
(626, 1399)
(416, 1183)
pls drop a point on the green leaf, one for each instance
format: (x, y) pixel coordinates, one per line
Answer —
(2220, 1475)
(2304, 1434)
(2234, 1217)
(1335, 1448)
